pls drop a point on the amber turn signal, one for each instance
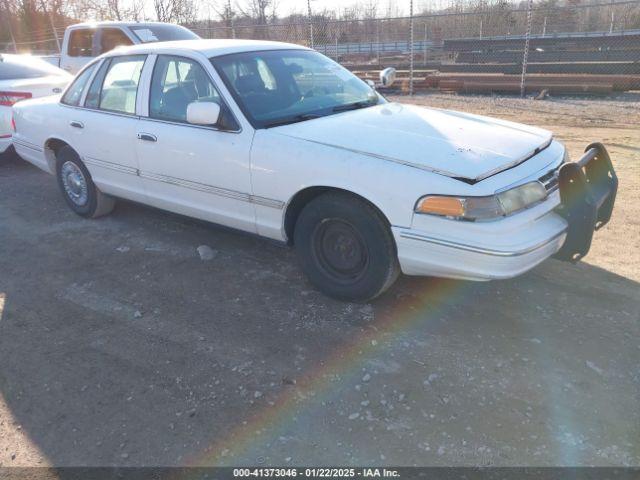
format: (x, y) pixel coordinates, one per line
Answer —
(446, 206)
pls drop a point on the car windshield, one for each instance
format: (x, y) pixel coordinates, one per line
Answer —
(277, 87)
(162, 33)
(13, 67)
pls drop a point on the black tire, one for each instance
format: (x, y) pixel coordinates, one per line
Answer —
(9, 155)
(77, 187)
(346, 247)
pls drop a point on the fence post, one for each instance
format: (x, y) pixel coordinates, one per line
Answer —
(425, 44)
(411, 47)
(310, 23)
(526, 48)
(612, 19)
(378, 40)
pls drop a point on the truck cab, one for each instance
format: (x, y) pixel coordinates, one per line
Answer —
(86, 41)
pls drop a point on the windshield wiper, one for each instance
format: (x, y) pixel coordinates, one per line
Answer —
(295, 119)
(354, 105)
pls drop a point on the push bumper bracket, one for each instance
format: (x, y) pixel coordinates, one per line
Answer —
(588, 190)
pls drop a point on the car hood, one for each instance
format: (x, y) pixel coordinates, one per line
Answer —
(451, 143)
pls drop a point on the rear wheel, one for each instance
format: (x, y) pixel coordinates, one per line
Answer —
(78, 190)
(345, 247)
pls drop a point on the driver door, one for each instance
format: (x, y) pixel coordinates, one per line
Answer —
(194, 170)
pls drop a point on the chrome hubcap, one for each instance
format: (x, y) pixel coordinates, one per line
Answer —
(74, 183)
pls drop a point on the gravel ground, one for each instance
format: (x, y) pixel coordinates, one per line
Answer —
(120, 345)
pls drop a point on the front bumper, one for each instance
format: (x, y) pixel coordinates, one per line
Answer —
(563, 226)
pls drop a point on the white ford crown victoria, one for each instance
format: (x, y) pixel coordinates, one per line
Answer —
(278, 140)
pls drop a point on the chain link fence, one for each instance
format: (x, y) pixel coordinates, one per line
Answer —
(576, 48)
(573, 49)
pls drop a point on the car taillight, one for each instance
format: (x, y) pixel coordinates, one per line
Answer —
(13, 124)
(9, 98)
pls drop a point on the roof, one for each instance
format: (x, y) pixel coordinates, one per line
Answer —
(210, 48)
(113, 23)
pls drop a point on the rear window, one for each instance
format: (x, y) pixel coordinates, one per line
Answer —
(14, 67)
(111, 38)
(162, 33)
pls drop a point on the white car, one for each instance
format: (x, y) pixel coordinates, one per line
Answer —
(23, 77)
(278, 140)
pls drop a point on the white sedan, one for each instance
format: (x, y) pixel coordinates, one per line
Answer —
(23, 77)
(278, 140)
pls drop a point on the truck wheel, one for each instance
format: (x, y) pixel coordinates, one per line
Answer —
(78, 190)
(345, 247)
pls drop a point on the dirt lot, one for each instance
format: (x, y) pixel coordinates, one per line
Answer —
(119, 346)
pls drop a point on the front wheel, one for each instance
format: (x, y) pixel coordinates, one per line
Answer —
(345, 247)
(79, 191)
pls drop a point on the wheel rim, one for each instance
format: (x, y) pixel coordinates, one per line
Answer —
(340, 250)
(74, 183)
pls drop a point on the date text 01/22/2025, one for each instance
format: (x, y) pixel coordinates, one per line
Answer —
(316, 472)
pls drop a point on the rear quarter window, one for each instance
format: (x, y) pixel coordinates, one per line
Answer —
(73, 95)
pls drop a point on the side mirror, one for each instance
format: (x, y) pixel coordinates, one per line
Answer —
(387, 77)
(203, 113)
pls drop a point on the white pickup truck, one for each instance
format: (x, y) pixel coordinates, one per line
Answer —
(85, 41)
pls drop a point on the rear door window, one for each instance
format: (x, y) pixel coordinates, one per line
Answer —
(73, 95)
(120, 86)
(81, 42)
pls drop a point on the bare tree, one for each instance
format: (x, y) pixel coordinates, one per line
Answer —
(177, 11)
(259, 10)
(224, 10)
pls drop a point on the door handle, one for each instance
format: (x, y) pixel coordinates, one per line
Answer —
(147, 137)
(76, 124)
(67, 68)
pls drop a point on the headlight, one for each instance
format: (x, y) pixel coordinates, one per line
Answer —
(483, 208)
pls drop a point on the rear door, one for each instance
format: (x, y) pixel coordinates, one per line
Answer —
(103, 129)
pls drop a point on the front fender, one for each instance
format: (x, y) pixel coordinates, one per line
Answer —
(282, 166)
